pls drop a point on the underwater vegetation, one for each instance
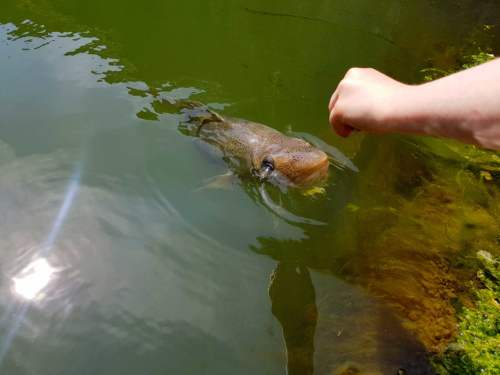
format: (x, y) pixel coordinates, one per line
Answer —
(416, 239)
(475, 50)
(477, 339)
(476, 348)
(429, 231)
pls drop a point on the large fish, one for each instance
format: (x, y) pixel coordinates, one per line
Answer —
(256, 149)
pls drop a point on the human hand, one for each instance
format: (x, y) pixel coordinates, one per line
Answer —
(362, 101)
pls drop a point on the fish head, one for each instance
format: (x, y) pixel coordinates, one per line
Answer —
(294, 163)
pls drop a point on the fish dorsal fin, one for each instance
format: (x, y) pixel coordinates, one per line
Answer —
(216, 116)
(210, 116)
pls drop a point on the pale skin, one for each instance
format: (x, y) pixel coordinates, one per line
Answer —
(463, 106)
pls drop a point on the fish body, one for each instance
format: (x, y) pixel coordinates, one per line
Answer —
(264, 152)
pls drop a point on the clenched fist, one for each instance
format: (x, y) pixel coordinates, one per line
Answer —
(362, 100)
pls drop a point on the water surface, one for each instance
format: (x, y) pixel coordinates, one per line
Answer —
(114, 258)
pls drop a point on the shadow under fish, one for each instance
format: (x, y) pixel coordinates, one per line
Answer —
(294, 305)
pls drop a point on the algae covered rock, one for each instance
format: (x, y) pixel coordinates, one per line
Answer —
(477, 348)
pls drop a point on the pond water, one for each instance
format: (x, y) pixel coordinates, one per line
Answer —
(116, 260)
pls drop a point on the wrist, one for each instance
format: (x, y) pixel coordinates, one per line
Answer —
(426, 109)
(402, 111)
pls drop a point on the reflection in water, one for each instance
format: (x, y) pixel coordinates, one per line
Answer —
(69, 198)
(125, 251)
(283, 213)
(294, 305)
(37, 275)
(343, 328)
(33, 279)
(130, 226)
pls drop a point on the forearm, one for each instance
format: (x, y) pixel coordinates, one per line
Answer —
(464, 106)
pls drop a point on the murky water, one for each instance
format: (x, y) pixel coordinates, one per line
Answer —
(114, 258)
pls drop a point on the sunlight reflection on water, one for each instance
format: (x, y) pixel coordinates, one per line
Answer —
(33, 279)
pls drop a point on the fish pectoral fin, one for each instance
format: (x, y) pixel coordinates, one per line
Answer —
(224, 181)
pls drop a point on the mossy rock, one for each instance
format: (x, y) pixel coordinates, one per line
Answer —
(477, 348)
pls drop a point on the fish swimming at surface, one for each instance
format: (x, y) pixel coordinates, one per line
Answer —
(250, 147)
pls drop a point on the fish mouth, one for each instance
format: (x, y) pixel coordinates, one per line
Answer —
(315, 174)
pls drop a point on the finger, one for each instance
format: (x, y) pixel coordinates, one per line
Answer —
(343, 130)
(340, 127)
(333, 99)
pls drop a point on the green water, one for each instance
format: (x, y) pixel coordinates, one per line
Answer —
(114, 258)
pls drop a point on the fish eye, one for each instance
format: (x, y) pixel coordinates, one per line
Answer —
(268, 164)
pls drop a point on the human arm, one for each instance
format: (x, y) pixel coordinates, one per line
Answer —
(464, 106)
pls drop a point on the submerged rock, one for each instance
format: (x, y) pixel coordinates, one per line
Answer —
(476, 347)
(413, 251)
